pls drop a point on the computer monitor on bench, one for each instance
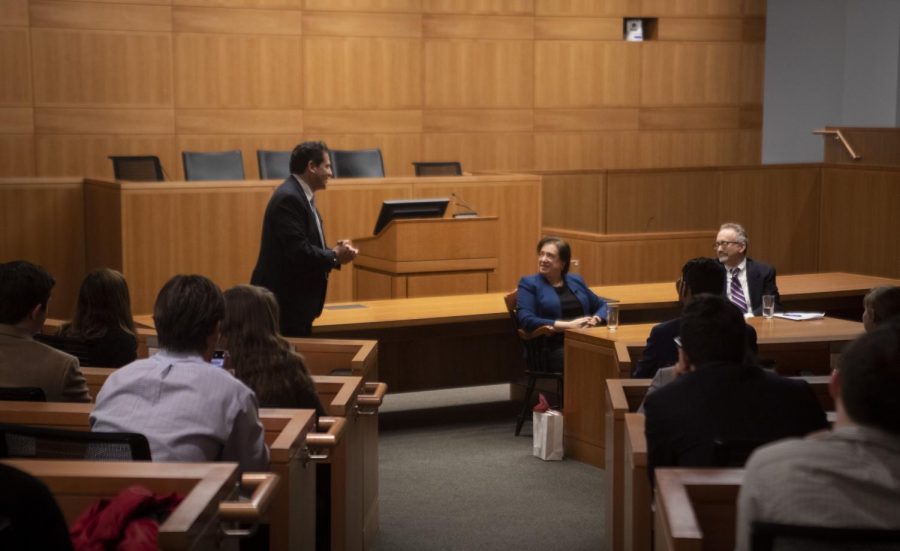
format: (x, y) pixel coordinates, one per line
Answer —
(410, 208)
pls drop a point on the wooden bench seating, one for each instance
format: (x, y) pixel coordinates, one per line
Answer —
(289, 434)
(626, 459)
(197, 522)
(354, 458)
(596, 355)
(696, 509)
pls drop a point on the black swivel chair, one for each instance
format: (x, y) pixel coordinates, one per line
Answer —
(535, 359)
(143, 168)
(438, 169)
(764, 535)
(22, 394)
(273, 165)
(360, 163)
(25, 442)
(224, 165)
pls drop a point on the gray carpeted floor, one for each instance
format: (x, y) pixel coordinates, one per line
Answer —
(476, 486)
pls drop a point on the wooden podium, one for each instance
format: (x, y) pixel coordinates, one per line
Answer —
(426, 257)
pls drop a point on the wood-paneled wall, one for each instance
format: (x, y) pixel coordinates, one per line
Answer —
(152, 231)
(875, 146)
(43, 222)
(858, 221)
(637, 225)
(624, 226)
(497, 84)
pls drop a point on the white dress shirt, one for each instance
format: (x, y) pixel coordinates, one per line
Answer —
(188, 409)
(847, 477)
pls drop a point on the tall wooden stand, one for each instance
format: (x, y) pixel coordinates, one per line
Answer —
(426, 257)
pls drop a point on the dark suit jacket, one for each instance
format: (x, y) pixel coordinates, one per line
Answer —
(761, 281)
(730, 402)
(538, 303)
(292, 262)
(661, 351)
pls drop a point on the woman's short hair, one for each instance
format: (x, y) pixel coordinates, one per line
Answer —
(186, 313)
(103, 303)
(565, 252)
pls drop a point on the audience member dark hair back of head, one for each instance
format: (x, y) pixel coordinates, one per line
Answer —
(260, 356)
(713, 330)
(704, 275)
(884, 303)
(306, 152)
(186, 312)
(870, 378)
(23, 286)
(103, 303)
(565, 251)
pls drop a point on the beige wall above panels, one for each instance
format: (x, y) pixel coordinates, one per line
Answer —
(496, 84)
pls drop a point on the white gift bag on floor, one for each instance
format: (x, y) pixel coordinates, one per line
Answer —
(548, 435)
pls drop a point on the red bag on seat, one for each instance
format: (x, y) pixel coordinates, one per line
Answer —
(130, 521)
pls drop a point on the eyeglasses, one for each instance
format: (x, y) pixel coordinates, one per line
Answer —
(725, 243)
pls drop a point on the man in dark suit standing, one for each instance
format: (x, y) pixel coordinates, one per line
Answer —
(747, 280)
(698, 276)
(721, 398)
(294, 261)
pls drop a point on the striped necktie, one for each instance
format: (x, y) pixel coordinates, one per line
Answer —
(737, 292)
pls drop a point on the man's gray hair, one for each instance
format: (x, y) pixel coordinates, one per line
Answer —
(737, 229)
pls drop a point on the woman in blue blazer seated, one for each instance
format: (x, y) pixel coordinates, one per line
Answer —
(557, 298)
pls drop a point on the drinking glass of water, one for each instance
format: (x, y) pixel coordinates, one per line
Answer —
(768, 306)
(612, 316)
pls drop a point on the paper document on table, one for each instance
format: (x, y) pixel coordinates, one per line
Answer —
(800, 316)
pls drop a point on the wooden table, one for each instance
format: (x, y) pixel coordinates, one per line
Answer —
(595, 355)
(465, 340)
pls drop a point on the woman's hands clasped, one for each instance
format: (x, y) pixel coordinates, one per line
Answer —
(577, 323)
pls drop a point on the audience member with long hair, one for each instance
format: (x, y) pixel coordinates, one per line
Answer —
(265, 361)
(261, 358)
(103, 319)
